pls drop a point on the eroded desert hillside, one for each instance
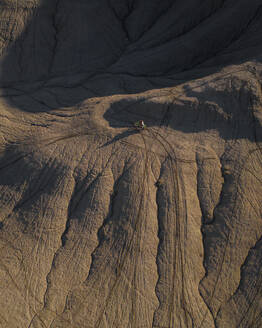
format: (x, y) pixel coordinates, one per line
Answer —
(103, 225)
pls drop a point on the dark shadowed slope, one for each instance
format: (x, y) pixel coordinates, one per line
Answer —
(105, 226)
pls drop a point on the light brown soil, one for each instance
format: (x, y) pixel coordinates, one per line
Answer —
(103, 225)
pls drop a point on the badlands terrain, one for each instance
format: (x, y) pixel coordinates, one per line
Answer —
(103, 225)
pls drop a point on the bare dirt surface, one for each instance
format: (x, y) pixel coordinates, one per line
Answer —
(106, 226)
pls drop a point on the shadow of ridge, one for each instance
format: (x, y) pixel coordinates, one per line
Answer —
(213, 112)
(49, 65)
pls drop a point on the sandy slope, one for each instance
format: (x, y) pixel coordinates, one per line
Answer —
(102, 225)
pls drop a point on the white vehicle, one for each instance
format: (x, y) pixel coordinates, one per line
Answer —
(140, 124)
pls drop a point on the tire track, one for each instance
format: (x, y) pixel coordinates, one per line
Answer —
(124, 257)
(180, 236)
(136, 233)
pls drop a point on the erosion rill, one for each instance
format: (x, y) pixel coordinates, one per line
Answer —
(108, 225)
